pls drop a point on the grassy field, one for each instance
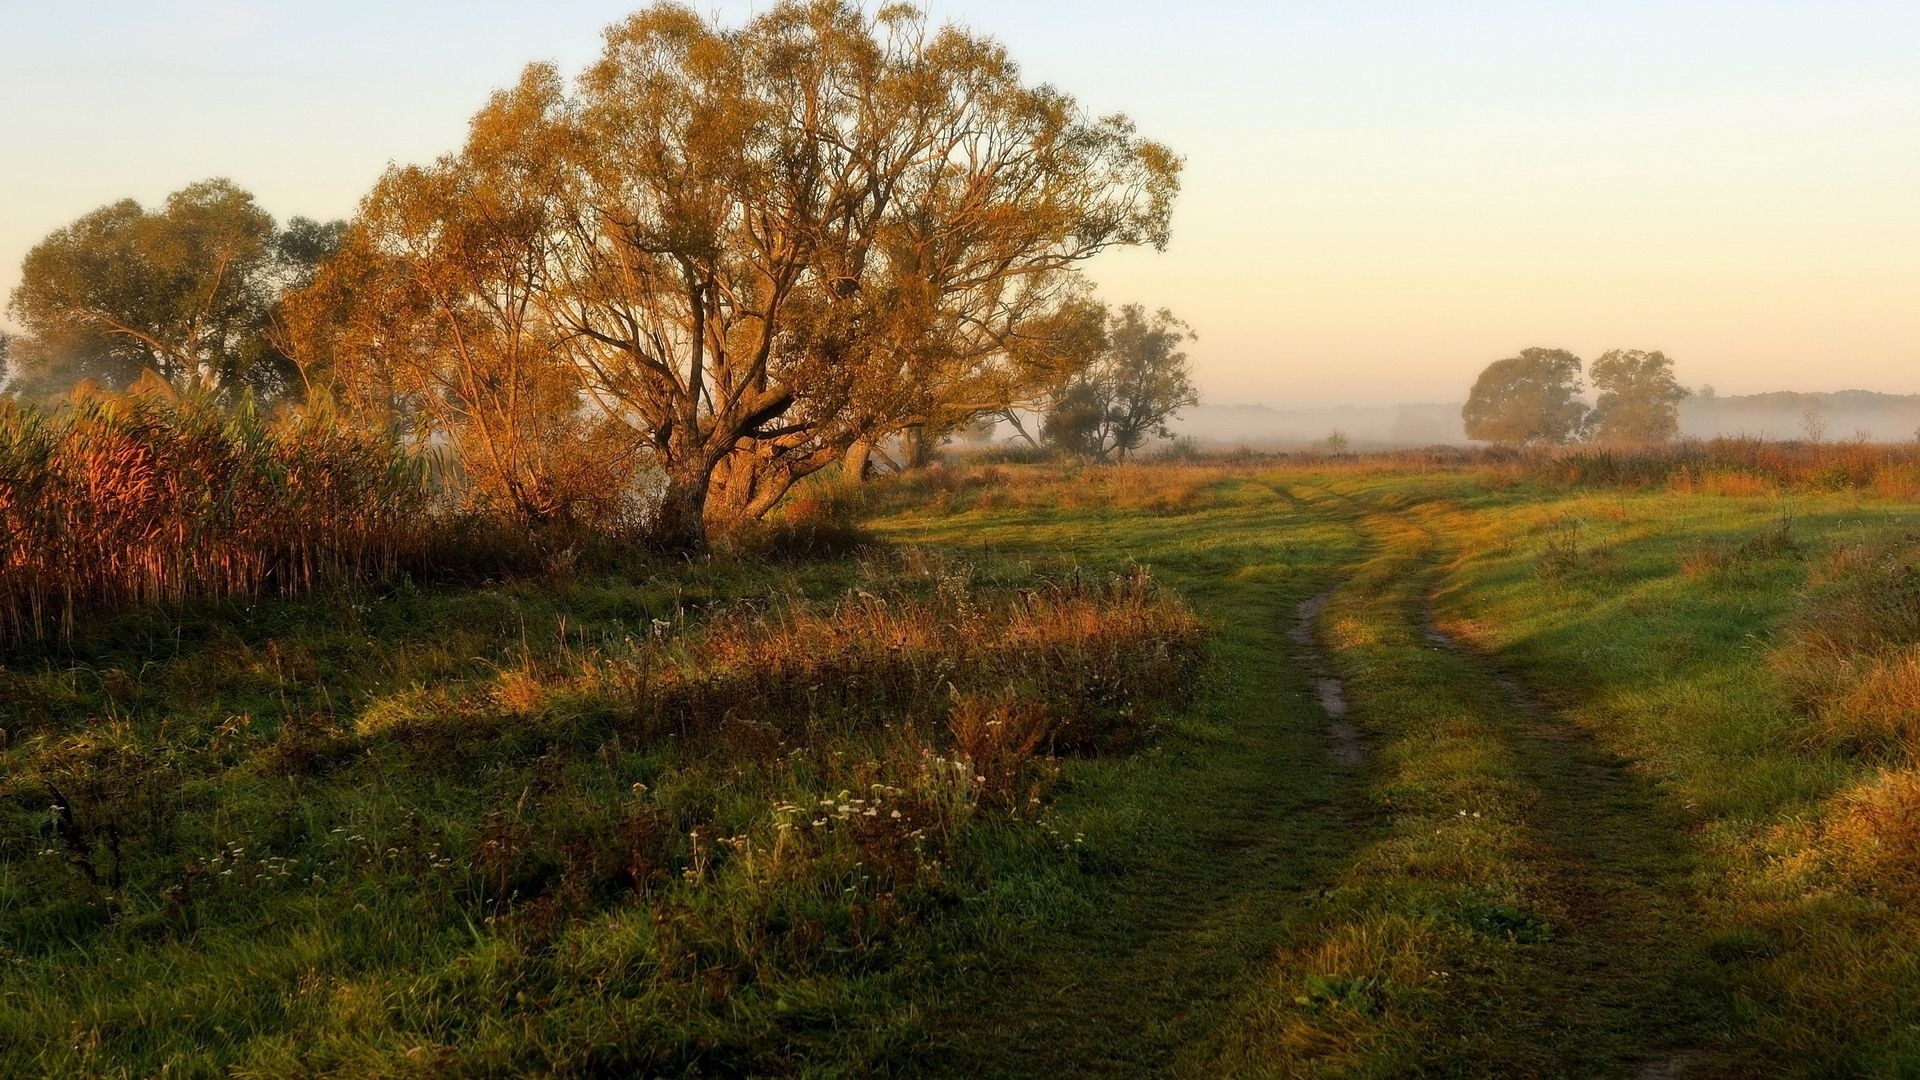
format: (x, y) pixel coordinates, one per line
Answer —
(1617, 781)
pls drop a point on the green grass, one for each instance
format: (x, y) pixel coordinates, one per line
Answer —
(1591, 832)
(1589, 840)
(1212, 844)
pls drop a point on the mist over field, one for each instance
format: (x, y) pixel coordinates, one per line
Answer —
(1861, 415)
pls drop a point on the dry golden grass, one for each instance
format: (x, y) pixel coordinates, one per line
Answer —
(1047, 668)
(1880, 705)
(1724, 483)
(1739, 467)
(1149, 486)
(1871, 835)
(1852, 654)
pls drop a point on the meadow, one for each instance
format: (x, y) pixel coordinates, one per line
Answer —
(1457, 765)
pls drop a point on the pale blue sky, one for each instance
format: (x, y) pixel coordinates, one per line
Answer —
(1380, 197)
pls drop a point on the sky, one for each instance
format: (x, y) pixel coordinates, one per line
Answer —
(1380, 198)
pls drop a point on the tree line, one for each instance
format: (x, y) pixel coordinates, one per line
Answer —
(718, 261)
(1535, 398)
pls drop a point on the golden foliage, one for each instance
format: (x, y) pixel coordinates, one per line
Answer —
(740, 251)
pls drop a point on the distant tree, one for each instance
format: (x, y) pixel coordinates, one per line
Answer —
(1337, 442)
(1531, 398)
(1639, 398)
(186, 291)
(1139, 381)
(1813, 424)
(6, 355)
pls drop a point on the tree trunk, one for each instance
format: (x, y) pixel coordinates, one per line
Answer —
(857, 463)
(731, 489)
(682, 521)
(1012, 416)
(916, 450)
(753, 479)
(770, 491)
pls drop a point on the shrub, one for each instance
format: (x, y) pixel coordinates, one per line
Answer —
(1181, 450)
(1015, 453)
(818, 522)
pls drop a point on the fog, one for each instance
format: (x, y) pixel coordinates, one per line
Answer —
(1365, 428)
(1847, 414)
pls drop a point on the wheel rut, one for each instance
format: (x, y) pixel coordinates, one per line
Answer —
(1615, 970)
(1617, 984)
(1132, 985)
(1344, 741)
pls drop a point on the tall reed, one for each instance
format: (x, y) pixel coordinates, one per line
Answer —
(111, 500)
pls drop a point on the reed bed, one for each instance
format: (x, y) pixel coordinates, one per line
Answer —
(1748, 466)
(150, 497)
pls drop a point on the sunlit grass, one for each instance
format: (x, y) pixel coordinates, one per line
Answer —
(1657, 807)
(612, 827)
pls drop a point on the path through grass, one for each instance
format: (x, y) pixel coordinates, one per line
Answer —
(1571, 823)
(1502, 885)
(1215, 840)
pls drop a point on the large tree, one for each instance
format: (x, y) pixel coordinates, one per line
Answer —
(1529, 399)
(757, 247)
(431, 319)
(186, 291)
(1639, 397)
(1139, 382)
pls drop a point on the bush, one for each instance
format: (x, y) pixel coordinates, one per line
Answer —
(1015, 453)
(1182, 450)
